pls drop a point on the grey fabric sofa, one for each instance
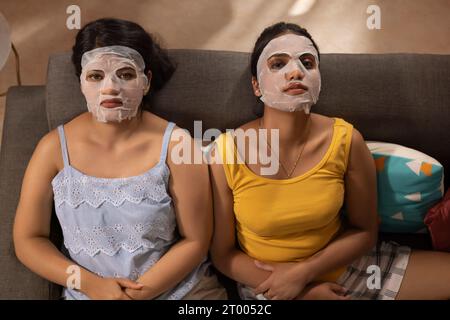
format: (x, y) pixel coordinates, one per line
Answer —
(398, 98)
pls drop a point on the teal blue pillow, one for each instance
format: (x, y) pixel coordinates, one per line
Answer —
(409, 183)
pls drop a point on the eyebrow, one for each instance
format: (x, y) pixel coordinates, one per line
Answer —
(284, 55)
(278, 55)
(126, 68)
(308, 54)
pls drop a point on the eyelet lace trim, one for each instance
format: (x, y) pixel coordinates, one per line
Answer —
(75, 190)
(110, 239)
(182, 291)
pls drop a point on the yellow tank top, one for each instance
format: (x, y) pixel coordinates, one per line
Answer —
(292, 219)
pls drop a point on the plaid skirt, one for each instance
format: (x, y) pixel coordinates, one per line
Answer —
(376, 275)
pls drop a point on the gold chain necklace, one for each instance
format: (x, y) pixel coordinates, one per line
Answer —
(289, 174)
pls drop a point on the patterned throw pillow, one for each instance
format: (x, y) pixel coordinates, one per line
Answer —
(409, 184)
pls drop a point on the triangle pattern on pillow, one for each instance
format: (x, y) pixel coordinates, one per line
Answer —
(415, 166)
(398, 216)
(414, 197)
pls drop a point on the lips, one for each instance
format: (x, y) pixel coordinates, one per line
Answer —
(111, 103)
(295, 88)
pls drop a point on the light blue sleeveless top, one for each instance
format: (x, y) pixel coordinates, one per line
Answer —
(119, 227)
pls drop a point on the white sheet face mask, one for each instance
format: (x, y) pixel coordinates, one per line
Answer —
(279, 70)
(113, 82)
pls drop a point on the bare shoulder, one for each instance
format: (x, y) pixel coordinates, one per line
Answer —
(321, 131)
(79, 121)
(78, 128)
(360, 155)
(156, 126)
(48, 151)
(49, 143)
(324, 121)
(154, 123)
(357, 138)
(321, 120)
(250, 125)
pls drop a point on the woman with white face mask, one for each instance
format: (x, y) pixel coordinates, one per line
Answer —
(135, 225)
(292, 240)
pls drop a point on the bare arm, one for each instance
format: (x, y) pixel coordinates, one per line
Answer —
(32, 222)
(225, 255)
(191, 193)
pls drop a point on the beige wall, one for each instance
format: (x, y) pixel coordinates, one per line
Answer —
(39, 27)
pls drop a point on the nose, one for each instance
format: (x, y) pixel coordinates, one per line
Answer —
(295, 74)
(110, 91)
(110, 87)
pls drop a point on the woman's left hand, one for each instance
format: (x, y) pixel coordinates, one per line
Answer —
(286, 282)
(144, 293)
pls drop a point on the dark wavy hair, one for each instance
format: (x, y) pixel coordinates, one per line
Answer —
(272, 32)
(109, 32)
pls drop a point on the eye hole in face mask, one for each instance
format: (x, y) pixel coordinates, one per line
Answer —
(126, 73)
(278, 61)
(95, 75)
(308, 61)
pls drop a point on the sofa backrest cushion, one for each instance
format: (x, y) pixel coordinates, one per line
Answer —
(395, 98)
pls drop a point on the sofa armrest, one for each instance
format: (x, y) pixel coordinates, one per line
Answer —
(25, 123)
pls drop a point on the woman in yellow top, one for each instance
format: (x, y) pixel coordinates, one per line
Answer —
(293, 241)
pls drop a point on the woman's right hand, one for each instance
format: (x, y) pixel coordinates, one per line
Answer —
(323, 291)
(110, 288)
